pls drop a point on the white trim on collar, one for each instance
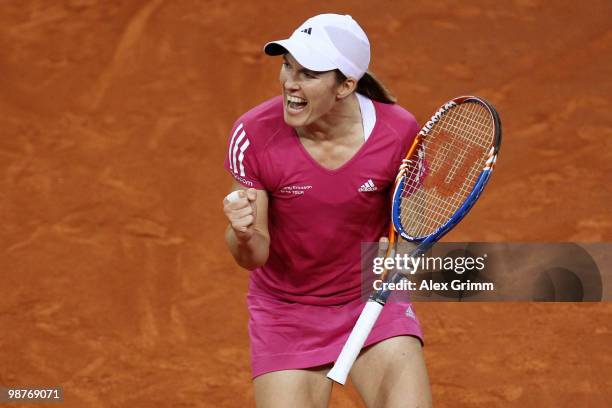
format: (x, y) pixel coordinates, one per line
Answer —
(368, 114)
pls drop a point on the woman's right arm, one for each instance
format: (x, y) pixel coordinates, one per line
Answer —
(247, 235)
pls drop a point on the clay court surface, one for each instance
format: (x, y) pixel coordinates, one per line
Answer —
(114, 279)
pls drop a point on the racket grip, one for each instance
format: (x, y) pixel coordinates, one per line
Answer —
(355, 342)
(233, 196)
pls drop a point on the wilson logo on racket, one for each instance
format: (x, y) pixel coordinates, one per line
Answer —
(447, 179)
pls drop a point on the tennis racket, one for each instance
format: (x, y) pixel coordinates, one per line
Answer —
(442, 176)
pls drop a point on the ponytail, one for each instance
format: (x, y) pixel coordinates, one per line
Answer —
(371, 87)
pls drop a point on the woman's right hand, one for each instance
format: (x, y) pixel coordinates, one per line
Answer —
(241, 213)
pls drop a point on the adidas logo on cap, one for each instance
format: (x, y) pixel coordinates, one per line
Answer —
(307, 30)
(368, 186)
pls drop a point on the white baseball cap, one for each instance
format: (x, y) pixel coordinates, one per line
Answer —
(326, 42)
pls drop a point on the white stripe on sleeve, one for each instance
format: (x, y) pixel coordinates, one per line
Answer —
(231, 145)
(235, 150)
(242, 150)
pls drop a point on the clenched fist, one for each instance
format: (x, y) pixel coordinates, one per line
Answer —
(240, 209)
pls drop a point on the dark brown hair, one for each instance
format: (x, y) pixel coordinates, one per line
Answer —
(371, 87)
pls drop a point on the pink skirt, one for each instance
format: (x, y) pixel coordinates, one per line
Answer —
(286, 336)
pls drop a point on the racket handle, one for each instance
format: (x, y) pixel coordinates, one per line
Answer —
(355, 342)
(233, 196)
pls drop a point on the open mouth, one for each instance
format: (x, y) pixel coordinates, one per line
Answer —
(295, 103)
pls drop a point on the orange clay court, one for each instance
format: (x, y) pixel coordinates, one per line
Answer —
(114, 279)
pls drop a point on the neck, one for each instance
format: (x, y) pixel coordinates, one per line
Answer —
(337, 122)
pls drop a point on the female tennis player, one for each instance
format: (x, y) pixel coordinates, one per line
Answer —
(313, 168)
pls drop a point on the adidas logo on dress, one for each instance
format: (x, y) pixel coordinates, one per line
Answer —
(368, 186)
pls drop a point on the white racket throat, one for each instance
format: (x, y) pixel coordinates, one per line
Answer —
(355, 342)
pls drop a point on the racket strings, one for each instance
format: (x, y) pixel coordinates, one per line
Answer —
(445, 167)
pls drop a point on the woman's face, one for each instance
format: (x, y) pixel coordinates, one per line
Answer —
(307, 95)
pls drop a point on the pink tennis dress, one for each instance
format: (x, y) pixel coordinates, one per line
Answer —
(305, 300)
